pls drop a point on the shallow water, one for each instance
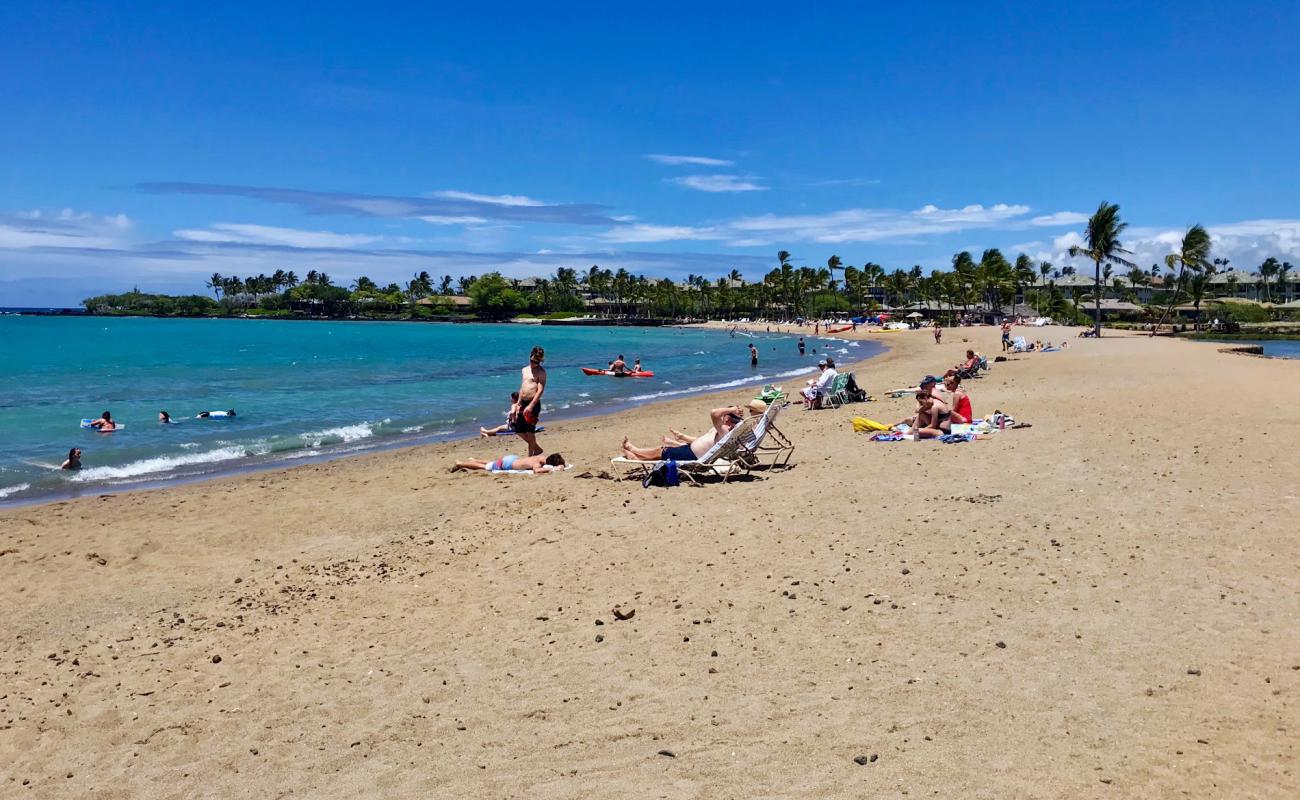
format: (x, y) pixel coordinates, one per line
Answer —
(311, 389)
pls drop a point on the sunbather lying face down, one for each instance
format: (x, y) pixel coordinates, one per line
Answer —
(680, 447)
(537, 464)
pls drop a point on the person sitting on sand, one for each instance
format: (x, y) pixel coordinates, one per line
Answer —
(680, 447)
(507, 427)
(164, 418)
(104, 423)
(959, 400)
(931, 419)
(507, 463)
(74, 459)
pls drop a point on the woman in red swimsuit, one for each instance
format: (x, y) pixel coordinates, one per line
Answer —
(960, 402)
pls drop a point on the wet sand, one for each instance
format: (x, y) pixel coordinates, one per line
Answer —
(1105, 604)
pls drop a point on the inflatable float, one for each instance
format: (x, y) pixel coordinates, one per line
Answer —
(89, 424)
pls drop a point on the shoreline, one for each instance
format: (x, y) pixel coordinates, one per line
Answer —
(1101, 602)
(263, 464)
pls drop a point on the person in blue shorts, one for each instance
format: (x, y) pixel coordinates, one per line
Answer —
(508, 463)
(679, 447)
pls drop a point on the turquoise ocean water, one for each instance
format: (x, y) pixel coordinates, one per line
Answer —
(1281, 348)
(319, 389)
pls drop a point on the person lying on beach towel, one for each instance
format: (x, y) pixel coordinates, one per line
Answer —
(508, 463)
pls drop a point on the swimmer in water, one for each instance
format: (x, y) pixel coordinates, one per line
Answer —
(164, 418)
(74, 459)
(104, 423)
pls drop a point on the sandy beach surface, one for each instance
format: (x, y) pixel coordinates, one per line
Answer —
(1106, 604)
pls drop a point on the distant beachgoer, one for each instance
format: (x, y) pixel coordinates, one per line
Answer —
(968, 366)
(800, 345)
(817, 328)
(753, 356)
(74, 459)
(1006, 336)
(506, 463)
(679, 447)
(938, 333)
(164, 418)
(507, 427)
(104, 423)
(959, 401)
(528, 409)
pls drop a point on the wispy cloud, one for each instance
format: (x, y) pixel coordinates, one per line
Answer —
(719, 183)
(64, 228)
(702, 161)
(870, 225)
(233, 233)
(449, 204)
(1060, 218)
(492, 199)
(846, 182)
(644, 234)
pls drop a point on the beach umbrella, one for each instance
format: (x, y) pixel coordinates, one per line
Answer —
(914, 315)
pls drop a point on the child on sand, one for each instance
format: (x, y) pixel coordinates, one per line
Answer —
(506, 428)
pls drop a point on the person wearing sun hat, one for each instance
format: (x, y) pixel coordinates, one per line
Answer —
(819, 386)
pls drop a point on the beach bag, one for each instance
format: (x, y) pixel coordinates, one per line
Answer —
(663, 475)
(864, 425)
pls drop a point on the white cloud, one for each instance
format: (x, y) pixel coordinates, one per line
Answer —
(719, 183)
(233, 233)
(1059, 218)
(64, 228)
(435, 219)
(493, 199)
(703, 161)
(642, 234)
(869, 225)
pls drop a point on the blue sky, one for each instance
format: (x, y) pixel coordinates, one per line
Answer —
(153, 144)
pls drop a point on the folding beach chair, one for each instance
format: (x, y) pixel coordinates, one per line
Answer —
(726, 458)
(768, 439)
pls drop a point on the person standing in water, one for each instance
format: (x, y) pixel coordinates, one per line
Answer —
(528, 410)
(74, 459)
(753, 356)
(800, 345)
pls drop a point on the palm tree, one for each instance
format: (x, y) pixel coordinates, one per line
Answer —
(1282, 279)
(1266, 272)
(1103, 245)
(215, 283)
(833, 263)
(1196, 287)
(1193, 254)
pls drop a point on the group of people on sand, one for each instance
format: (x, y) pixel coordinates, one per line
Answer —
(937, 410)
(525, 411)
(521, 420)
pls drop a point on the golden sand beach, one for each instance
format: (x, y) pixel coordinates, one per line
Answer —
(1106, 604)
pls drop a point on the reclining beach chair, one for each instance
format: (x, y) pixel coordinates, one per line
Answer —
(726, 458)
(768, 439)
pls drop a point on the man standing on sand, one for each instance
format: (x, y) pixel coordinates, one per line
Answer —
(528, 409)
(1006, 335)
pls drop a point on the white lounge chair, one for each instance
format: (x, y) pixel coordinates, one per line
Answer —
(769, 439)
(727, 457)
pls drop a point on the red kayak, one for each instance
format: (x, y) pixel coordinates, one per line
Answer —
(611, 373)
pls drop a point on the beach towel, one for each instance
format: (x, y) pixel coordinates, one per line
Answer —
(957, 438)
(526, 471)
(887, 437)
(861, 424)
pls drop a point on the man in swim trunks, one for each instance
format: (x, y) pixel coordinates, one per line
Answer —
(528, 410)
(618, 365)
(801, 345)
(680, 448)
(1006, 335)
(507, 463)
(753, 356)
